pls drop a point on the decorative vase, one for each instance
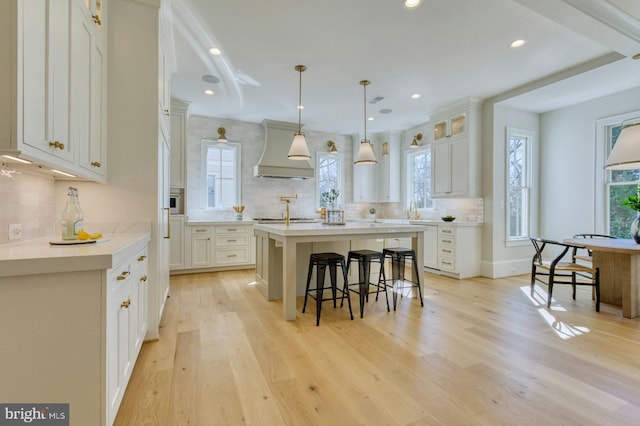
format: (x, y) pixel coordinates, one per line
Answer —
(635, 229)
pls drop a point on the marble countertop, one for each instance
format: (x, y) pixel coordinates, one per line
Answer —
(39, 257)
(306, 229)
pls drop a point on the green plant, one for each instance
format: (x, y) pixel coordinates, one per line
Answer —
(327, 198)
(633, 201)
(372, 210)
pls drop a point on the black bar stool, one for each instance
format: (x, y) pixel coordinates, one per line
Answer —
(364, 259)
(398, 257)
(321, 261)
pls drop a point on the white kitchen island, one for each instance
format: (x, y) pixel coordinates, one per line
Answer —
(282, 253)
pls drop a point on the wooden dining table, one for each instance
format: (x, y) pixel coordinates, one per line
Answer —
(619, 264)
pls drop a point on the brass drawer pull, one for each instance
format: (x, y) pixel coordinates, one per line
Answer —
(56, 144)
(143, 278)
(231, 241)
(97, 19)
(232, 255)
(96, 164)
(142, 258)
(126, 304)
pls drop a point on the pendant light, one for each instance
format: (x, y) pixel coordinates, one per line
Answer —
(625, 154)
(365, 153)
(299, 149)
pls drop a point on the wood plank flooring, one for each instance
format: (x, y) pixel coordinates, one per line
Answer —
(480, 352)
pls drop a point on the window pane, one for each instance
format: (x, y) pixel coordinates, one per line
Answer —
(620, 216)
(420, 185)
(516, 161)
(222, 176)
(517, 213)
(518, 184)
(329, 180)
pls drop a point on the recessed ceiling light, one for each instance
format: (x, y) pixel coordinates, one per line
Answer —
(208, 92)
(215, 51)
(410, 4)
(518, 43)
(415, 96)
(300, 106)
(370, 118)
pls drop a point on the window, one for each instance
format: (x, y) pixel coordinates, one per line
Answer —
(329, 177)
(519, 178)
(221, 174)
(619, 184)
(419, 178)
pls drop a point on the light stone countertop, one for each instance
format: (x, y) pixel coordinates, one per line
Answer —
(307, 229)
(37, 256)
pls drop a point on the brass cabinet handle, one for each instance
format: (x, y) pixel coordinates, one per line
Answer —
(97, 19)
(96, 164)
(168, 236)
(126, 304)
(231, 229)
(142, 258)
(122, 276)
(144, 278)
(56, 144)
(166, 112)
(231, 241)
(232, 255)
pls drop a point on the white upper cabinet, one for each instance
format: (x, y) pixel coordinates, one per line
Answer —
(379, 183)
(52, 95)
(88, 73)
(43, 67)
(179, 116)
(456, 152)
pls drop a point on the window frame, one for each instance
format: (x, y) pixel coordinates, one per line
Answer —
(410, 184)
(602, 175)
(237, 148)
(530, 186)
(320, 155)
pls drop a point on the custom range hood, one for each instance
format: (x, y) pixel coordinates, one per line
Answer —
(273, 161)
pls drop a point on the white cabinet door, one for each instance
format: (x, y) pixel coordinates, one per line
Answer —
(88, 73)
(459, 173)
(201, 246)
(177, 243)
(45, 77)
(440, 169)
(431, 247)
(178, 131)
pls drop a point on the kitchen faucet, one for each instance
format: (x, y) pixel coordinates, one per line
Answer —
(287, 199)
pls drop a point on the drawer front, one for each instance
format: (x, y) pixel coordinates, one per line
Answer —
(119, 275)
(201, 230)
(446, 241)
(447, 264)
(230, 240)
(232, 230)
(236, 256)
(444, 231)
(447, 251)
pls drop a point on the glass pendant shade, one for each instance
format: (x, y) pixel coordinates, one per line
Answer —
(299, 149)
(365, 154)
(625, 154)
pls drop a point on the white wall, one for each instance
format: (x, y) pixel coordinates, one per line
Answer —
(567, 178)
(498, 259)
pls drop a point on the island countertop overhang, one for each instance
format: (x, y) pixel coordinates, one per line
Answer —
(311, 229)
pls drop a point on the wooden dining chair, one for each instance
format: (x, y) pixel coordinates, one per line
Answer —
(588, 256)
(561, 269)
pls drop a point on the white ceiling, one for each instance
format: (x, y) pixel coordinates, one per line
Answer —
(444, 50)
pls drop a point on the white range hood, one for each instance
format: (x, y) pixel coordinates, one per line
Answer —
(273, 161)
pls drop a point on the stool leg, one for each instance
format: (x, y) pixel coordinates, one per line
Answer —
(415, 271)
(319, 288)
(345, 289)
(363, 274)
(401, 267)
(384, 283)
(346, 283)
(306, 292)
(334, 279)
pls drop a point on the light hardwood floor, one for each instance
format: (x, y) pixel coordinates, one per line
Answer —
(480, 352)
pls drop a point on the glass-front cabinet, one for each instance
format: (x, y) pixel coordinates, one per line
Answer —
(450, 126)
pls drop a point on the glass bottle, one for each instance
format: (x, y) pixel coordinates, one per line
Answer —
(72, 216)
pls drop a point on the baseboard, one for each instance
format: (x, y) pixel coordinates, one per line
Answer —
(506, 268)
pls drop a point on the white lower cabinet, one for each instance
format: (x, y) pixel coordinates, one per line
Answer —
(431, 247)
(458, 250)
(217, 246)
(127, 285)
